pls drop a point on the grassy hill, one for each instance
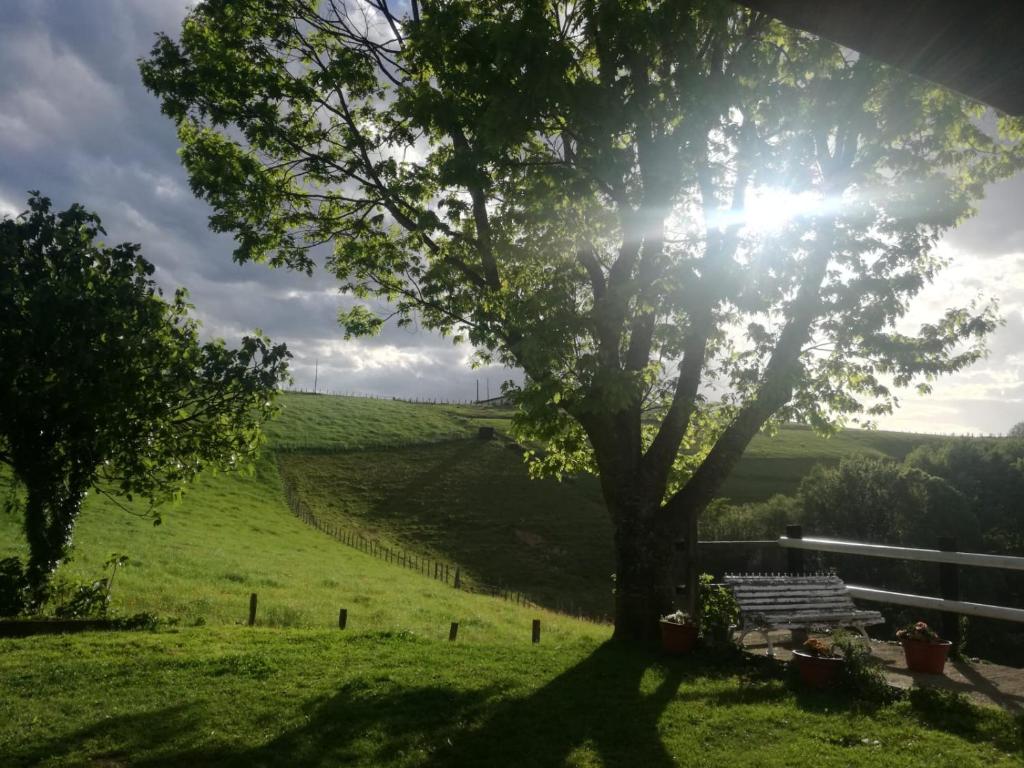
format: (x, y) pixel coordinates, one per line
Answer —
(411, 476)
(391, 690)
(416, 477)
(470, 502)
(778, 463)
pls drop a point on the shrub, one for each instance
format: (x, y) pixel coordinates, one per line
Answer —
(716, 610)
(14, 594)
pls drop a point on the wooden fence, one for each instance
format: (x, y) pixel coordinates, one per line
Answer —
(440, 570)
(946, 557)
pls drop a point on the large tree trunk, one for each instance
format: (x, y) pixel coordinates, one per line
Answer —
(49, 522)
(643, 574)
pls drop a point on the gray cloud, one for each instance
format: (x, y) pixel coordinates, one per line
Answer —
(76, 123)
(999, 226)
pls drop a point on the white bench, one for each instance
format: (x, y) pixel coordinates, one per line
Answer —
(784, 601)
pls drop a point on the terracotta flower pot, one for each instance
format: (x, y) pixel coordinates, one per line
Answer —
(923, 656)
(817, 671)
(678, 638)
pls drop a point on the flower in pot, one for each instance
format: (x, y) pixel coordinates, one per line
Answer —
(678, 632)
(924, 650)
(818, 662)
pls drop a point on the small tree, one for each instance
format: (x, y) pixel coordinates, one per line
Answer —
(569, 186)
(1017, 430)
(106, 384)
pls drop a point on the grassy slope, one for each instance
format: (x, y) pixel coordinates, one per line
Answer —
(471, 502)
(233, 535)
(390, 691)
(777, 464)
(309, 422)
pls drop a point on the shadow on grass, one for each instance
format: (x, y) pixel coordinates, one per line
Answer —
(952, 712)
(548, 539)
(598, 705)
(609, 705)
(605, 710)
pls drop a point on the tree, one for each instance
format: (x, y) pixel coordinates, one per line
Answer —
(1017, 430)
(105, 384)
(990, 475)
(880, 501)
(570, 186)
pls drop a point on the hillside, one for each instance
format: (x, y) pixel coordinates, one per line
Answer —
(411, 476)
(232, 535)
(416, 477)
(391, 690)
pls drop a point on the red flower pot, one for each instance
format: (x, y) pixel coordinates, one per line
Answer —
(927, 657)
(817, 671)
(678, 638)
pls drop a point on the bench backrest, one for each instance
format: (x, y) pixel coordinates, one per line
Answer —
(783, 597)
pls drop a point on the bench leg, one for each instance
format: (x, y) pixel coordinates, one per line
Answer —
(865, 636)
(764, 634)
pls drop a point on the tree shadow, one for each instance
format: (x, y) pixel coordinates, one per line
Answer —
(355, 724)
(600, 704)
(610, 703)
(151, 731)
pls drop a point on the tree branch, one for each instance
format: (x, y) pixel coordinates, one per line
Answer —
(775, 391)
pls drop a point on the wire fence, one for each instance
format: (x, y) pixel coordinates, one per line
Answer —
(494, 401)
(440, 570)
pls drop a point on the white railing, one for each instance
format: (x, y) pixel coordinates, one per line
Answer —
(905, 553)
(948, 560)
(937, 603)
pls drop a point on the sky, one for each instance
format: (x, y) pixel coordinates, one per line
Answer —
(77, 125)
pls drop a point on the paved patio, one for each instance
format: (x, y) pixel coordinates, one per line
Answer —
(985, 683)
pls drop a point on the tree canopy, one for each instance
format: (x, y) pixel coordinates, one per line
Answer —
(573, 187)
(106, 384)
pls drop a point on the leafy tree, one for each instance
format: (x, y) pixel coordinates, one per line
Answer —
(879, 500)
(569, 186)
(105, 384)
(990, 475)
(1017, 430)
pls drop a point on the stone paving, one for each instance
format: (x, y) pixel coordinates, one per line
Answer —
(985, 683)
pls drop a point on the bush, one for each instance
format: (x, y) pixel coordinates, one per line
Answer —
(723, 521)
(14, 594)
(717, 611)
(83, 601)
(861, 675)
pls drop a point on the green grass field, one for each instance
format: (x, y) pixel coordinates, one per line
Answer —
(442, 493)
(284, 697)
(391, 690)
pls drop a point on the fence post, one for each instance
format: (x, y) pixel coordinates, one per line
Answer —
(536, 630)
(949, 589)
(454, 631)
(252, 610)
(794, 557)
(342, 618)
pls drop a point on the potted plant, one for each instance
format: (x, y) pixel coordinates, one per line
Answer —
(819, 662)
(678, 632)
(924, 650)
